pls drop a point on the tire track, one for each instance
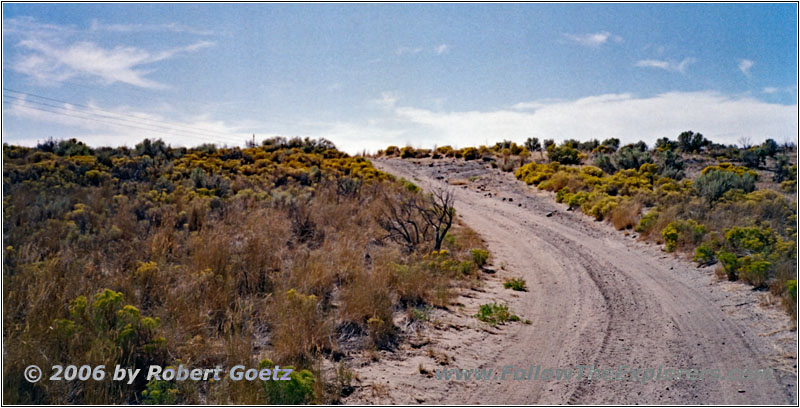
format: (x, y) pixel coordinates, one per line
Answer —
(635, 307)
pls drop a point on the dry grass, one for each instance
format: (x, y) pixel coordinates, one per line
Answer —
(266, 269)
(626, 214)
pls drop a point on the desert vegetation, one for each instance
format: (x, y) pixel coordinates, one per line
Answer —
(724, 205)
(289, 252)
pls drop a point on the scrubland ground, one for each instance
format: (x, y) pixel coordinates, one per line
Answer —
(285, 253)
(596, 296)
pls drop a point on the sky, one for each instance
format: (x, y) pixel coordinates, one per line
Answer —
(366, 76)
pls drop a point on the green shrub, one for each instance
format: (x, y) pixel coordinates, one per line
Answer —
(470, 153)
(743, 240)
(704, 254)
(682, 233)
(494, 313)
(604, 162)
(564, 155)
(670, 234)
(670, 164)
(160, 393)
(712, 185)
(791, 289)
(754, 270)
(647, 222)
(479, 256)
(730, 263)
(298, 390)
(517, 284)
(629, 157)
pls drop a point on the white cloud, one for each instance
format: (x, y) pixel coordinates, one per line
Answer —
(408, 50)
(723, 119)
(441, 49)
(97, 25)
(771, 90)
(387, 100)
(745, 65)
(593, 40)
(51, 53)
(666, 65)
(354, 138)
(123, 125)
(52, 62)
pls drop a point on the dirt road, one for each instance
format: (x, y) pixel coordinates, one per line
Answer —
(599, 298)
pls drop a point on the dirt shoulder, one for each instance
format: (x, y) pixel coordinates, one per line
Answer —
(596, 297)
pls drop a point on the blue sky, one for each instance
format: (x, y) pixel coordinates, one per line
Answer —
(369, 75)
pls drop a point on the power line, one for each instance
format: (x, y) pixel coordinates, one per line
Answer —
(72, 113)
(151, 127)
(172, 125)
(16, 104)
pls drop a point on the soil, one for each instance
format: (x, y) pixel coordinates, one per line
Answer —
(596, 297)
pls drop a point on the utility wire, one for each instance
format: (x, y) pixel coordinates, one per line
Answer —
(178, 127)
(16, 104)
(151, 127)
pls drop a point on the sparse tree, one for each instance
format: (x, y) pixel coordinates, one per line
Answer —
(612, 143)
(438, 212)
(414, 218)
(745, 142)
(401, 219)
(691, 142)
(533, 145)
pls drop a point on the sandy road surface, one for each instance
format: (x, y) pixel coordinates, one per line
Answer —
(597, 297)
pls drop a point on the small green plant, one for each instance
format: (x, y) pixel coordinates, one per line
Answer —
(680, 233)
(298, 390)
(469, 153)
(480, 256)
(730, 263)
(670, 235)
(160, 393)
(381, 332)
(704, 255)
(754, 270)
(791, 288)
(517, 284)
(647, 222)
(494, 313)
(419, 314)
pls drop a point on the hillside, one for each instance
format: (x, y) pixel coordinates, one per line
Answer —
(283, 253)
(731, 207)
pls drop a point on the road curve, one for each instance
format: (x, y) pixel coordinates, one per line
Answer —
(597, 298)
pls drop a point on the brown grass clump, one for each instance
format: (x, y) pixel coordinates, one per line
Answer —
(626, 214)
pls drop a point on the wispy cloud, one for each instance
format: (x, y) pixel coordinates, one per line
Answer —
(408, 50)
(50, 62)
(771, 90)
(387, 100)
(51, 53)
(666, 65)
(97, 25)
(745, 65)
(593, 39)
(441, 49)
